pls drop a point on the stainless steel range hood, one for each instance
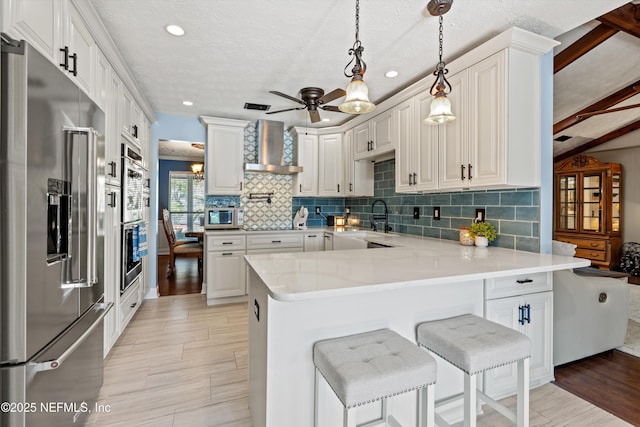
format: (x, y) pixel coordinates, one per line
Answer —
(271, 150)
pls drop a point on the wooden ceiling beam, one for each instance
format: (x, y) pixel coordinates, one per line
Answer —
(583, 45)
(607, 102)
(625, 18)
(599, 141)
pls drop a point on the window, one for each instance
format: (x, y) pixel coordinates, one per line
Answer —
(186, 202)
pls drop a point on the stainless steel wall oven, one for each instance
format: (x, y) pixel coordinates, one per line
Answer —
(133, 175)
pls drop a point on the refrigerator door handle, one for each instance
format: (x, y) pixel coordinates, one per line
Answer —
(56, 362)
(92, 271)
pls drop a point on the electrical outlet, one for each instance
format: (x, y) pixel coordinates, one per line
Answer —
(480, 215)
(436, 213)
(416, 212)
(317, 210)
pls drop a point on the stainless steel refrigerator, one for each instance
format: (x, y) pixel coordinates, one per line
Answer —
(51, 243)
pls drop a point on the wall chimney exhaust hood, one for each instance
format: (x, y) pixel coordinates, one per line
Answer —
(271, 150)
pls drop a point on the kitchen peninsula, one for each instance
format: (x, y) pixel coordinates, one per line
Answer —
(299, 298)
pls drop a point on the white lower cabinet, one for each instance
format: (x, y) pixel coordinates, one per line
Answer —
(226, 274)
(313, 242)
(328, 241)
(112, 265)
(129, 303)
(531, 314)
(225, 269)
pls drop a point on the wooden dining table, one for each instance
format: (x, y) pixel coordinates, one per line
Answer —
(198, 234)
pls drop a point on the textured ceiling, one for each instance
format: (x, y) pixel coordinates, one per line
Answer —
(236, 51)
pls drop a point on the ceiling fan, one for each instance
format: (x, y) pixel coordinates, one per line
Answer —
(312, 99)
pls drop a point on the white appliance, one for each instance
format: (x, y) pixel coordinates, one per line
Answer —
(223, 218)
(300, 220)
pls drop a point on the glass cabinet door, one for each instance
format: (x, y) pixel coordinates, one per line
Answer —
(615, 202)
(568, 208)
(592, 202)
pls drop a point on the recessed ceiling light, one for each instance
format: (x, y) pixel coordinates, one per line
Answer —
(326, 120)
(391, 74)
(175, 30)
(187, 103)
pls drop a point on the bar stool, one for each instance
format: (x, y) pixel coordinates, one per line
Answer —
(474, 345)
(372, 366)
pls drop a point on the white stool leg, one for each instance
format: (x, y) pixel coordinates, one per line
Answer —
(426, 406)
(348, 421)
(316, 391)
(523, 393)
(383, 410)
(470, 399)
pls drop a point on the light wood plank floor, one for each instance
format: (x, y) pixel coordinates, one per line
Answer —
(181, 363)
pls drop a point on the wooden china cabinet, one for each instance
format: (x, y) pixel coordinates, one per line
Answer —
(588, 208)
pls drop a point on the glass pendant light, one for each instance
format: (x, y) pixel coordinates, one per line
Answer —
(357, 98)
(440, 105)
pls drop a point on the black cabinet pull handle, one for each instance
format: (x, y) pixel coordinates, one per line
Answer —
(112, 202)
(112, 165)
(74, 71)
(338, 188)
(524, 281)
(65, 64)
(134, 304)
(240, 185)
(301, 188)
(409, 179)
(526, 309)
(470, 177)
(227, 243)
(312, 235)
(227, 253)
(462, 172)
(276, 241)
(135, 131)
(414, 179)
(350, 186)
(521, 315)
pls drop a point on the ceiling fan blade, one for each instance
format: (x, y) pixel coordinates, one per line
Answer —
(288, 109)
(610, 110)
(284, 95)
(334, 94)
(331, 108)
(315, 116)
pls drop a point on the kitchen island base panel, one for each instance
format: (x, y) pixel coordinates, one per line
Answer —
(282, 334)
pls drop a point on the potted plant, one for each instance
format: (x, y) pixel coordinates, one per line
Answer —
(483, 233)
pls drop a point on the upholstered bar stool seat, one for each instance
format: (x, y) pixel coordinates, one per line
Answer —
(372, 366)
(474, 345)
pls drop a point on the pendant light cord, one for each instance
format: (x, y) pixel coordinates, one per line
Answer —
(440, 39)
(357, 21)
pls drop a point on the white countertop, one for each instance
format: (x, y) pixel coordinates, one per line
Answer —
(413, 261)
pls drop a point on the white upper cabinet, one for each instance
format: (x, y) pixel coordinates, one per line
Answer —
(56, 29)
(82, 50)
(224, 159)
(112, 138)
(330, 166)
(100, 89)
(417, 146)
(305, 154)
(39, 22)
(358, 175)
(495, 141)
(374, 137)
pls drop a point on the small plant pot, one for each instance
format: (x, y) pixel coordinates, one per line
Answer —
(481, 241)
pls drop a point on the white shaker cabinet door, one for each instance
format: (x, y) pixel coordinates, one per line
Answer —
(331, 166)
(225, 153)
(225, 274)
(453, 143)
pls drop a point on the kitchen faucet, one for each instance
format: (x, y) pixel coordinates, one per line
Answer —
(373, 217)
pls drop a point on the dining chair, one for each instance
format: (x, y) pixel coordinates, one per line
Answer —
(179, 248)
